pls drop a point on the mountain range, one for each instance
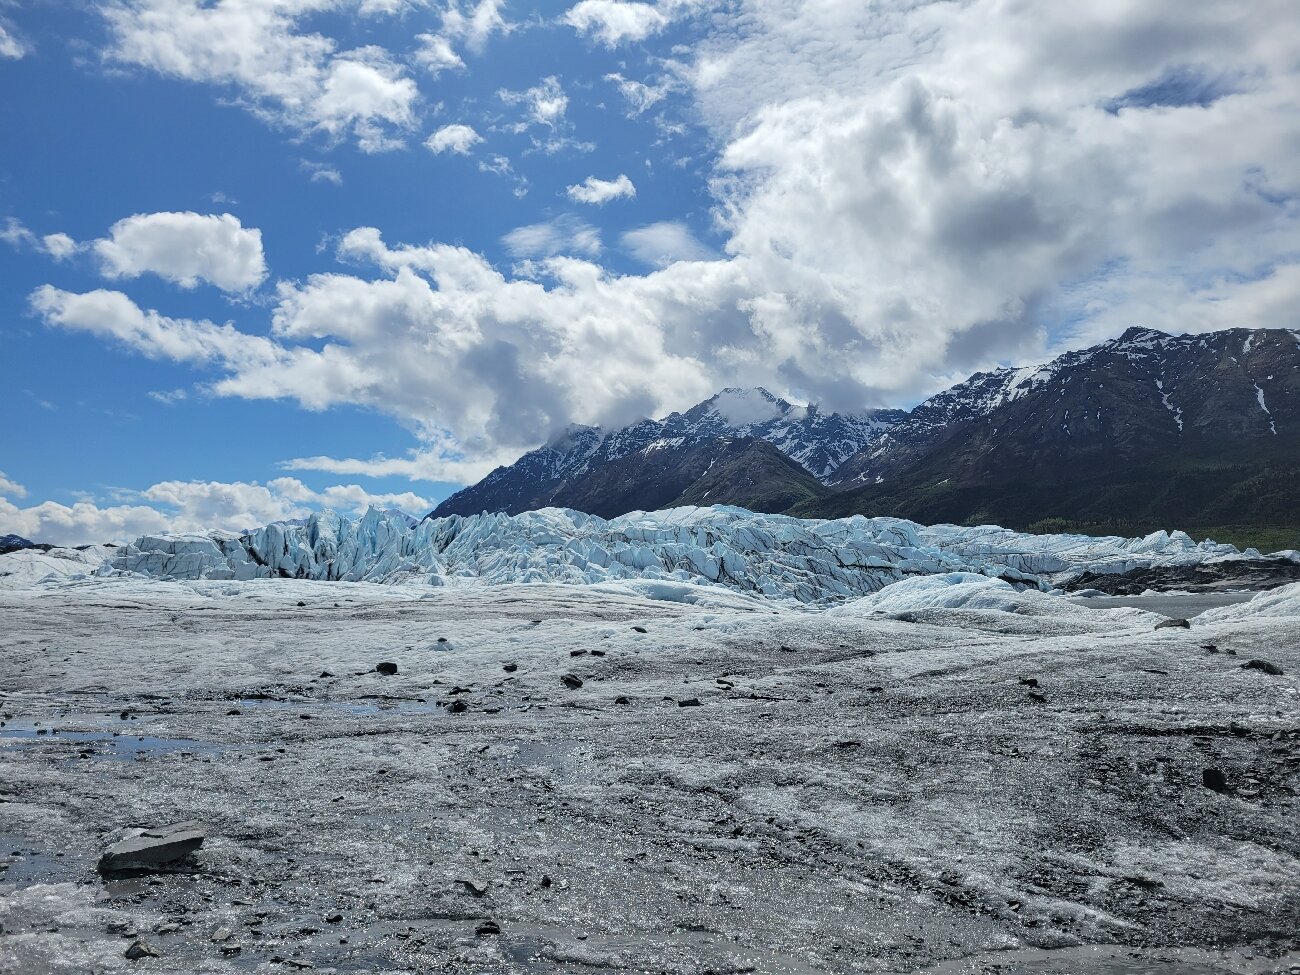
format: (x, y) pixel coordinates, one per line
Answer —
(1148, 430)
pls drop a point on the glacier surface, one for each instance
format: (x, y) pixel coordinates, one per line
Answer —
(768, 555)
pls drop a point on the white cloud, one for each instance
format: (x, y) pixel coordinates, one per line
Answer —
(473, 27)
(545, 103)
(905, 192)
(11, 488)
(477, 24)
(183, 506)
(10, 46)
(319, 172)
(185, 248)
(661, 244)
(545, 107)
(641, 97)
(436, 54)
(442, 460)
(168, 396)
(601, 191)
(616, 21)
(59, 246)
(563, 235)
(291, 78)
(453, 138)
(112, 314)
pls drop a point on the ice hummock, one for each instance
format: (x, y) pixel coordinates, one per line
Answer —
(808, 560)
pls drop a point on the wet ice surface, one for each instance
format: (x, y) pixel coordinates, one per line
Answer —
(1175, 604)
(855, 792)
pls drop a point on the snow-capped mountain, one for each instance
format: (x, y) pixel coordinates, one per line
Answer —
(1199, 432)
(1144, 431)
(1140, 393)
(816, 440)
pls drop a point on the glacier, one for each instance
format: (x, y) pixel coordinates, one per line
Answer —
(777, 556)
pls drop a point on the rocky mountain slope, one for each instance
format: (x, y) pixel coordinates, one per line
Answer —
(1147, 430)
(1193, 431)
(570, 466)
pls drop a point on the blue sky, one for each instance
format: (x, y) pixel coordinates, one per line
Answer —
(263, 257)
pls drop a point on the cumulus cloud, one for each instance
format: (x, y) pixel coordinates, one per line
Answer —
(111, 314)
(544, 110)
(11, 488)
(10, 46)
(184, 506)
(57, 245)
(616, 21)
(185, 248)
(663, 243)
(601, 191)
(475, 23)
(905, 193)
(458, 139)
(436, 54)
(563, 235)
(288, 76)
(641, 97)
(319, 172)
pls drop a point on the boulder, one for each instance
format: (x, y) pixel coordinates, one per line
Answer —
(149, 848)
(142, 949)
(1263, 666)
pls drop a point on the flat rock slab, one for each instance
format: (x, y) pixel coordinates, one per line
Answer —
(154, 847)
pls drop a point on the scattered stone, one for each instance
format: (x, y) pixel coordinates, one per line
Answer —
(571, 681)
(510, 668)
(1040, 698)
(149, 848)
(326, 673)
(1263, 665)
(1209, 647)
(577, 653)
(1029, 681)
(487, 928)
(477, 888)
(141, 949)
(387, 667)
(222, 934)
(622, 699)
(333, 918)
(457, 706)
(639, 629)
(598, 653)
(301, 603)
(690, 702)
(1214, 779)
(1173, 623)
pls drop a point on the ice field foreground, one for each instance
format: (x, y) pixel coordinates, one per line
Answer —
(892, 784)
(770, 555)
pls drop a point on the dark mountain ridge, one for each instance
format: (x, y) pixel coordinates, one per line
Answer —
(1147, 430)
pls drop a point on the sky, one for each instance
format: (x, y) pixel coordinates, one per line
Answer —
(260, 257)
